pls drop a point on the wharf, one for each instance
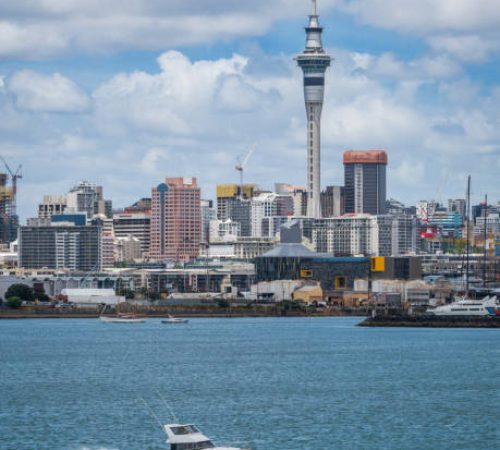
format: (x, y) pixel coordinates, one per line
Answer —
(427, 321)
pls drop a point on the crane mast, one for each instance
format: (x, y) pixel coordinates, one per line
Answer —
(240, 167)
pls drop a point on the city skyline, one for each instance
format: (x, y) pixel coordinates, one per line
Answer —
(127, 113)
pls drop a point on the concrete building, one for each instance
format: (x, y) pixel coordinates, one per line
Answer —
(405, 232)
(264, 205)
(127, 249)
(298, 195)
(457, 205)
(61, 247)
(88, 197)
(332, 201)
(492, 226)
(228, 195)
(224, 230)
(51, 205)
(313, 61)
(9, 221)
(365, 181)
(176, 220)
(291, 260)
(208, 213)
(364, 234)
(136, 224)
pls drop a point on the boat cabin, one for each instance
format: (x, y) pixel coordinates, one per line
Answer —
(186, 437)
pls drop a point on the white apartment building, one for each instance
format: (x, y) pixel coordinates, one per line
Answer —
(364, 234)
(224, 230)
(264, 205)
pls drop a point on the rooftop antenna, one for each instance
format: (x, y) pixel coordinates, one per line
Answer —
(314, 8)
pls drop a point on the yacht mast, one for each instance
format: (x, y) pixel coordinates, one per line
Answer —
(467, 245)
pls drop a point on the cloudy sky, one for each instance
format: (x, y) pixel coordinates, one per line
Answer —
(127, 93)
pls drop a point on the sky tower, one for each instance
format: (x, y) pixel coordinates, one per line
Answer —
(313, 61)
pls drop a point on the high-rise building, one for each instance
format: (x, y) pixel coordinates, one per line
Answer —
(365, 181)
(229, 195)
(298, 195)
(135, 224)
(8, 219)
(61, 247)
(88, 197)
(457, 205)
(313, 61)
(51, 205)
(364, 234)
(127, 249)
(208, 213)
(176, 220)
(332, 201)
(224, 230)
(264, 205)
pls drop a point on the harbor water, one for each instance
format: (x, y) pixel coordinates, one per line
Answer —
(267, 384)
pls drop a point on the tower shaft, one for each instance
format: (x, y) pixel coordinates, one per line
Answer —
(313, 61)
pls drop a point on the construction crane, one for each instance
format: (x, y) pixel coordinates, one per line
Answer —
(14, 177)
(240, 167)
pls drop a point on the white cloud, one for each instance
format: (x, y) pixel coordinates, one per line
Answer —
(467, 48)
(427, 16)
(468, 30)
(194, 118)
(49, 93)
(53, 27)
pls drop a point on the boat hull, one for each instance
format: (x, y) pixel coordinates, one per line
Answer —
(121, 320)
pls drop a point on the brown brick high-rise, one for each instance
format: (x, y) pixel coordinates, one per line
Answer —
(176, 220)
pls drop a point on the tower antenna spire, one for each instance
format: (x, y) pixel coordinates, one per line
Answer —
(314, 61)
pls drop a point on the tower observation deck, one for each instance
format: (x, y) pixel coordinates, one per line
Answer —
(313, 61)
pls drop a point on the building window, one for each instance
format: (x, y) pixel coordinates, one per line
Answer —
(340, 282)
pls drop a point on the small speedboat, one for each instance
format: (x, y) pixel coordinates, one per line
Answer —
(172, 319)
(184, 437)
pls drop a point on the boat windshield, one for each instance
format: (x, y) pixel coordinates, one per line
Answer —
(184, 429)
(193, 446)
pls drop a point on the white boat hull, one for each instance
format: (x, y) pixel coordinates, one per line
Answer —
(122, 319)
(466, 308)
(175, 321)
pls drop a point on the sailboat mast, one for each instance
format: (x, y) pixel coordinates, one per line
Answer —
(485, 230)
(467, 245)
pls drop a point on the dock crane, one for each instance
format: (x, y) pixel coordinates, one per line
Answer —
(240, 167)
(14, 177)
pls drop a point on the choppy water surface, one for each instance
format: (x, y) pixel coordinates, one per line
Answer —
(272, 384)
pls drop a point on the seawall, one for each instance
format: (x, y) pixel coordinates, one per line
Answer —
(427, 321)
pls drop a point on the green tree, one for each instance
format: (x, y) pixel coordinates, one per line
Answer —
(24, 292)
(14, 302)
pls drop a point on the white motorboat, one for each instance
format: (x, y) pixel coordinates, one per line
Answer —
(122, 318)
(467, 307)
(188, 437)
(172, 319)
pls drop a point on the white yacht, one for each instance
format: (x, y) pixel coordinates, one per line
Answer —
(188, 437)
(467, 307)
